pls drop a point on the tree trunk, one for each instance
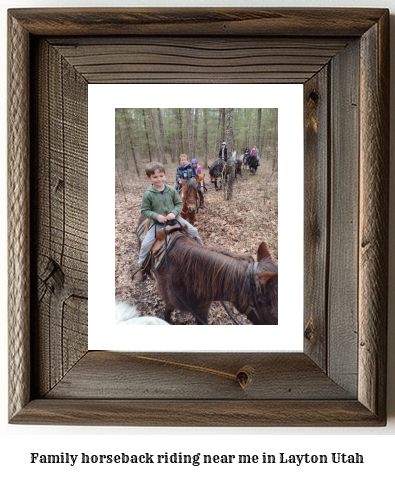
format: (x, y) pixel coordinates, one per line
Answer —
(120, 154)
(275, 140)
(224, 125)
(190, 133)
(129, 128)
(258, 127)
(205, 138)
(229, 144)
(179, 121)
(146, 135)
(155, 133)
(220, 134)
(195, 133)
(161, 138)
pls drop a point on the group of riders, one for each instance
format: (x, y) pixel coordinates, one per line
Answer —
(187, 170)
(155, 204)
(223, 153)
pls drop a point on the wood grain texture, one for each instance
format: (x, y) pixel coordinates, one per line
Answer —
(61, 208)
(255, 22)
(196, 376)
(18, 212)
(203, 60)
(201, 413)
(373, 233)
(341, 56)
(343, 222)
(317, 209)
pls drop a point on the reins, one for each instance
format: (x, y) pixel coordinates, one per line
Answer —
(237, 322)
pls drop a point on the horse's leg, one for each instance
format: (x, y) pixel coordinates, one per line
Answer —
(202, 312)
(167, 316)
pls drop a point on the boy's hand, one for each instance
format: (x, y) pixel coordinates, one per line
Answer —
(170, 216)
(161, 218)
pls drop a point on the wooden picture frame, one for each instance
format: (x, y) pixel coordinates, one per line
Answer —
(342, 58)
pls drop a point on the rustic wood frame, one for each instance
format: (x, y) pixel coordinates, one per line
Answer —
(342, 57)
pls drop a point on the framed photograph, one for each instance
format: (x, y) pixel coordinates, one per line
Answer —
(237, 226)
(341, 59)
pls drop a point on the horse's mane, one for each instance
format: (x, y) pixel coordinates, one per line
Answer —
(268, 265)
(216, 164)
(222, 270)
(190, 184)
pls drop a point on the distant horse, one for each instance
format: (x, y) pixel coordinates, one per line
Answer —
(252, 162)
(201, 182)
(126, 314)
(219, 169)
(189, 196)
(251, 286)
(238, 165)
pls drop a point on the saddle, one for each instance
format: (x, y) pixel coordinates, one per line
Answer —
(166, 231)
(172, 231)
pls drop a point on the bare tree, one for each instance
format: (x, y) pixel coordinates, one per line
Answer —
(146, 134)
(155, 133)
(275, 140)
(220, 128)
(228, 191)
(190, 132)
(161, 138)
(223, 123)
(179, 120)
(195, 133)
(205, 139)
(128, 129)
(120, 155)
(160, 134)
(258, 127)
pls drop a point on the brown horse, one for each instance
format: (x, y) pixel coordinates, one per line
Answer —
(201, 182)
(251, 286)
(188, 195)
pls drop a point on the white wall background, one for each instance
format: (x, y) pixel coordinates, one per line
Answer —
(20, 441)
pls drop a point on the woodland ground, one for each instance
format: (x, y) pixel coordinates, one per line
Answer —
(238, 225)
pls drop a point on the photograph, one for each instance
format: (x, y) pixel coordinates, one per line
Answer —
(209, 178)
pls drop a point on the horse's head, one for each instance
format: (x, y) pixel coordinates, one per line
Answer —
(200, 179)
(265, 310)
(189, 194)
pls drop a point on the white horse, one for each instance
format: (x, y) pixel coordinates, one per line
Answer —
(126, 314)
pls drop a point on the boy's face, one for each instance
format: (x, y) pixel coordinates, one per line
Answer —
(184, 161)
(157, 179)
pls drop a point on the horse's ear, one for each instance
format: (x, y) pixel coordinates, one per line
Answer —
(268, 279)
(263, 252)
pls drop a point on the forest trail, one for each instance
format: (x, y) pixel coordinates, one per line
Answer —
(238, 226)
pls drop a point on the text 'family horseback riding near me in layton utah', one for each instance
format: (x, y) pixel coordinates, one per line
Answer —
(198, 459)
